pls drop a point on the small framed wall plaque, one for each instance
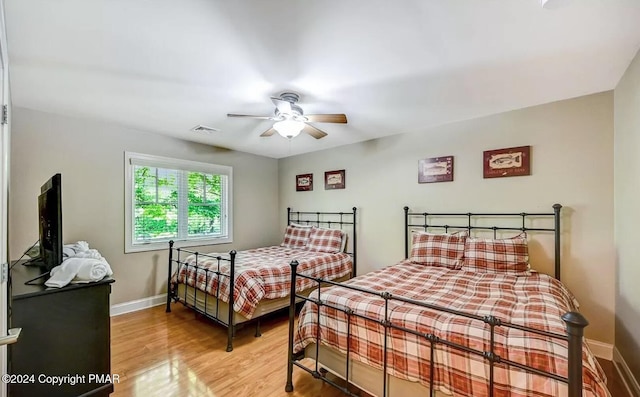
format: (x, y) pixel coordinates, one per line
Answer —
(513, 161)
(435, 169)
(304, 182)
(334, 180)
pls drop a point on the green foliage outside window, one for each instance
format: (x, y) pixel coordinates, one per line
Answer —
(158, 203)
(204, 203)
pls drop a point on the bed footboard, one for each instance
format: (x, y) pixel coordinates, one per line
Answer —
(575, 324)
(203, 274)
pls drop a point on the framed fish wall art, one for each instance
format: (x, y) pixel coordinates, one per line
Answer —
(514, 161)
(304, 182)
(334, 180)
(435, 169)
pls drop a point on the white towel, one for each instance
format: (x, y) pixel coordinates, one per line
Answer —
(90, 272)
(91, 253)
(68, 252)
(78, 270)
(71, 250)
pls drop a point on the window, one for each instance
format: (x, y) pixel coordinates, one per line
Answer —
(169, 199)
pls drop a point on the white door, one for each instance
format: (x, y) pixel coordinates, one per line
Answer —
(4, 188)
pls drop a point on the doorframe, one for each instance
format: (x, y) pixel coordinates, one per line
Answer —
(5, 132)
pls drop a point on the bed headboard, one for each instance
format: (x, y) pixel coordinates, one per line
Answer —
(429, 221)
(345, 221)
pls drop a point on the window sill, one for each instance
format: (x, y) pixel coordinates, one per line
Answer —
(156, 246)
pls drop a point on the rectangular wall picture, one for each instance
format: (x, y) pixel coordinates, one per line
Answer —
(334, 180)
(304, 182)
(435, 169)
(514, 161)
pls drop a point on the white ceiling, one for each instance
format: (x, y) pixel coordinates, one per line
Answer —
(391, 66)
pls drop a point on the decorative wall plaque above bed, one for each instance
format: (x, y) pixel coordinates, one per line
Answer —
(435, 169)
(334, 180)
(514, 161)
(304, 182)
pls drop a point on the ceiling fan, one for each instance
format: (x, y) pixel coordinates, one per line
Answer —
(290, 120)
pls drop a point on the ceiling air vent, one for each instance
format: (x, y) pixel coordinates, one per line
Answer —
(204, 128)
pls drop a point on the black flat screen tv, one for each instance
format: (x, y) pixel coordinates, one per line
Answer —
(50, 219)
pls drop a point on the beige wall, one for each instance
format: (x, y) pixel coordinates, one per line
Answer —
(90, 156)
(627, 215)
(572, 164)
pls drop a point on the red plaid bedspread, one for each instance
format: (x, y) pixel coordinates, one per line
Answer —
(535, 301)
(262, 273)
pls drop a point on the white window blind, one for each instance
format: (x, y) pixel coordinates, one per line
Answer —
(184, 201)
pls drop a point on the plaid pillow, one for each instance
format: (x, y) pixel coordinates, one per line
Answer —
(438, 249)
(325, 240)
(296, 237)
(509, 255)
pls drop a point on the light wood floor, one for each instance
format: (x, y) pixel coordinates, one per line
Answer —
(181, 354)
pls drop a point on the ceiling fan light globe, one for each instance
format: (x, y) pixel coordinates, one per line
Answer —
(289, 128)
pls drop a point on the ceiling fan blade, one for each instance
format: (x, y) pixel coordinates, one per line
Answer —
(250, 116)
(313, 131)
(269, 132)
(326, 118)
(284, 107)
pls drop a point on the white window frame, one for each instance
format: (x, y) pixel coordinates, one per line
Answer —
(131, 159)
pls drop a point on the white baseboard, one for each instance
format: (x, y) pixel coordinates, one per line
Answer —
(601, 349)
(140, 304)
(627, 377)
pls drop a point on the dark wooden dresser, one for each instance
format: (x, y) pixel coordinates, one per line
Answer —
(65, 333)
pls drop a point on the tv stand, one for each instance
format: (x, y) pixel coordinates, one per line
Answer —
(64, 331)
(36, 262)
(33, 262)
(43, 276)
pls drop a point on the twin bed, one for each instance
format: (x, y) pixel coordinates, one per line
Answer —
(324, 243)
(462, 315)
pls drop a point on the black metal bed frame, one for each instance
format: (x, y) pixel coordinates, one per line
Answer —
(409, 224)
(172, 293)
(574, 321)
(317, 218)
